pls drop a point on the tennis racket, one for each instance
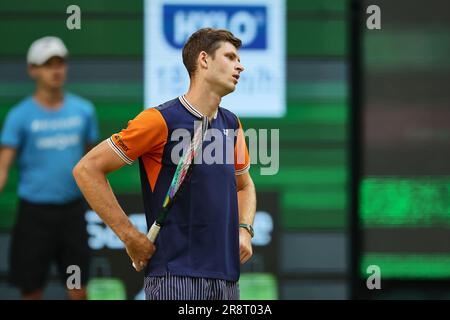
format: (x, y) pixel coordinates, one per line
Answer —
(182, 172)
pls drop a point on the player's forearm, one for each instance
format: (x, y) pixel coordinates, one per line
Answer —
(247, 203)
(98, 193)
(3, 178)
(3, 175)
(6, 158)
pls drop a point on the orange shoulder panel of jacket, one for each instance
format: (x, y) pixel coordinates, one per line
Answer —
(152, 161)
(144, 134)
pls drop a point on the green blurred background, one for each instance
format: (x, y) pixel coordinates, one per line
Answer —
(313, 134)
(404, 203)
(401, 222)
(106, 67)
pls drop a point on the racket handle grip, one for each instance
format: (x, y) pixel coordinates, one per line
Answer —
(152, 234)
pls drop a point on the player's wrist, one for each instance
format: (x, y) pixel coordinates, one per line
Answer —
(129, 234)
(248, 228)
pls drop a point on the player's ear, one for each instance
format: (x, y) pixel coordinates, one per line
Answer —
(32, 71)
(202, 60)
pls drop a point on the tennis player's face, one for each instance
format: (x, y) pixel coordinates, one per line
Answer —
(51, 74)
(225, 68)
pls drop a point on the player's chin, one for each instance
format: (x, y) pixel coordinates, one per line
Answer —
(231, 87)
(227, 90)
(56, 84)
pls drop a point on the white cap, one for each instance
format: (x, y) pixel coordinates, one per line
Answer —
(44, 48)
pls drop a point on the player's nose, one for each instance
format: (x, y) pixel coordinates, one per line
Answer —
(240, 67)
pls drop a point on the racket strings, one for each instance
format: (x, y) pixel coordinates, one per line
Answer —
(185, 165)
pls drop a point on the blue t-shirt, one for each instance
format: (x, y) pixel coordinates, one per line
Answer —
(49, 144)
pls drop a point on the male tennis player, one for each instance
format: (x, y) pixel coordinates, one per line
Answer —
(49, 132)
(209, 227)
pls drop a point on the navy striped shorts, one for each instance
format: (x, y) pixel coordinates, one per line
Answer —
(171, 287)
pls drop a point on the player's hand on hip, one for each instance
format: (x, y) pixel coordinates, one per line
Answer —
(139, 249)
(245, 245)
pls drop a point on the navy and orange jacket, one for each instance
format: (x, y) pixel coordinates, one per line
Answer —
(200, 237)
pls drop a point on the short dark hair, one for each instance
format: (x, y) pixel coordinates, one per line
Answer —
(208, 40)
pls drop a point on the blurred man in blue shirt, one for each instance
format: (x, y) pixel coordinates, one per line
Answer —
(48, 132)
